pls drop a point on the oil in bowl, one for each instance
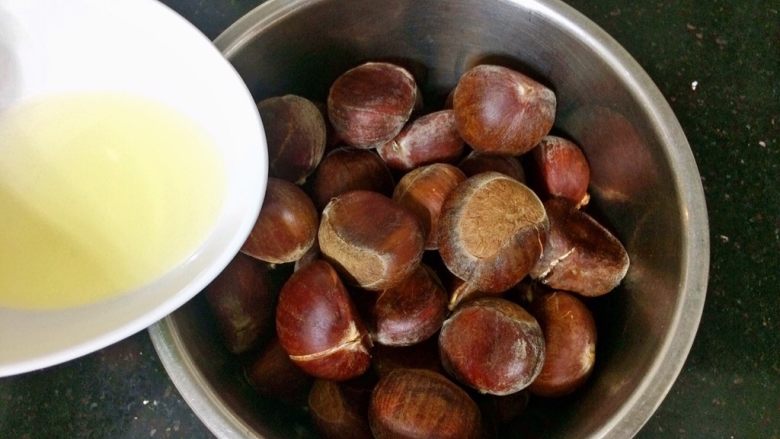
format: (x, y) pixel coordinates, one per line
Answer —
(100, 193)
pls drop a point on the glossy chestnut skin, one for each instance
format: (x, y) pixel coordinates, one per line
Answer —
(286, 226)
(369, 104)
(272, 374)
(432, 138)
(475, 163)
(492, 345)
(502, 111)
(347, 169)
(296, 134)
(242, 303)
(570, 343)
(411, 311)
(339, 410)
(318, 326)
(580, 255)
(491, 231)
(559, 169)
(418, 403)
(423, 191)
(372, 241)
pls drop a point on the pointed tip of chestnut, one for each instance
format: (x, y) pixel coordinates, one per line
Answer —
(432, 138)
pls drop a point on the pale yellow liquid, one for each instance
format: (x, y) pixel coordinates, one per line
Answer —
(99, 194)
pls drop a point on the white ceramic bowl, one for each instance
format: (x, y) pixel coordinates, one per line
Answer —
(142, 48)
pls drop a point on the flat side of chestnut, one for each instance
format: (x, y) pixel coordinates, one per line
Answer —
(369, 104)
(410, 312)
(271, 373)
(492, 345)
(501, 111)
(347, 169)
(432, 138)
(318, 326)
(286, 226)
(570, 344)
(335, 414)
(417, 403)
(580, 255)
(296, 135)
(373, 242)
(475, 163)
(491, 231)
(242, 303)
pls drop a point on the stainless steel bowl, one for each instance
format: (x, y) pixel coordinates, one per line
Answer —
(645, 184)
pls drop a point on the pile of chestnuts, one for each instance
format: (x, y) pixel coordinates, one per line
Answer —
(437, 263)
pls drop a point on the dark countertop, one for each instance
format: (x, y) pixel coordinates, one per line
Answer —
(718, 64)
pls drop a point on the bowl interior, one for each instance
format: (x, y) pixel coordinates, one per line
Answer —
(645, 185)
(144, 49)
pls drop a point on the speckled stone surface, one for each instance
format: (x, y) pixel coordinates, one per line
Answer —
(718, 64)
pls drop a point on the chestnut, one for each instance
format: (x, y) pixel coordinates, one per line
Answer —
(418, 403)
(411, 311)
(423, 355)
(491, 231)
(369, 104)
(286, 226)
(492, 345)
(502, 111)
(371, 240)
(318, 326)
(347, 169)
(242, 303)
(423, 191)
(296, 134)
(580, 255)
(339, 411)
(570, 343)
(272, 374)
(429, 139)
(559, 169)
(475, 163)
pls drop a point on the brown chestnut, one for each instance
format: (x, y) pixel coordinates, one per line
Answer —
(411, 311)
(580, 255)
(339, 411)
(423, 191)
(429, 139)
(491, 231)
(570, 343)
(286, 226)
(371, 240)
(369, 104)
(318, 326)
(492, 345)
(242, 303)
(271, 373)
(296, 133)
(559, 169)
(347, 169)
(423, 355)
(501, 111)
(475, 163)
(418, 403)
